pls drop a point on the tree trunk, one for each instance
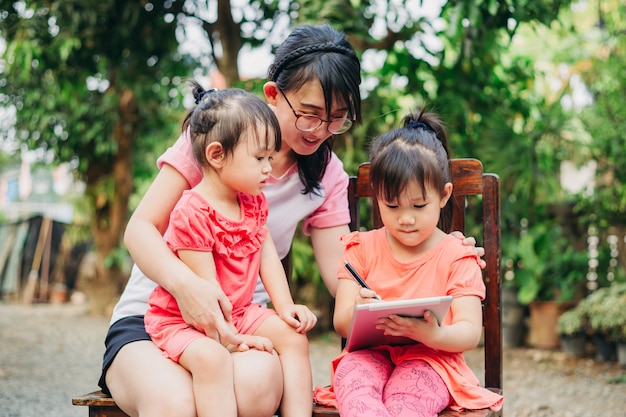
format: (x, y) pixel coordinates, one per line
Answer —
(226, 33)
(109, 196)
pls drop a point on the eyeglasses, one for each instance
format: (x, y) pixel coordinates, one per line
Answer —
(310, 122)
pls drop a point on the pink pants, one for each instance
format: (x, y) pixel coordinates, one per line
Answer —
(367, 383)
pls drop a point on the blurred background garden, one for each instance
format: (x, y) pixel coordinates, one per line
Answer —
(92, 92)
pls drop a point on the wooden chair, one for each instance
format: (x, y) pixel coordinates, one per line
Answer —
(471, 189)
(469, 180)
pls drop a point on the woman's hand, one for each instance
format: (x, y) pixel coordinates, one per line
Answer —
(204, 305)
(298, 316)
(470, 241)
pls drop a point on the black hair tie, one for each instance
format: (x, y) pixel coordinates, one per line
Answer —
(203, 93)
(415, 124)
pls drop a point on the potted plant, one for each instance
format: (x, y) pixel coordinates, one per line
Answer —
(513, 312)
(549, 275)
(572, 326)
(606, 309)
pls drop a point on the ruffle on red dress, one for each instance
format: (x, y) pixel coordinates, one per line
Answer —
(199, 226)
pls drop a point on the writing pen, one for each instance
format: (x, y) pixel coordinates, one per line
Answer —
(358, 278)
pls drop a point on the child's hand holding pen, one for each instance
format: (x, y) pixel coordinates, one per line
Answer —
(366, 291)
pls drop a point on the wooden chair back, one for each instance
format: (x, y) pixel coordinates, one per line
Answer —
(471, 189)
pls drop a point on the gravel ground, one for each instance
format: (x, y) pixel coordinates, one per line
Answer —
(50, 353)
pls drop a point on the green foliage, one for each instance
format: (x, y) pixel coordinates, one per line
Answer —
(605, 309)
(605, 118)
(492, 90)
(8, 160)
(90, 82)
(547, 266)
(66, 64)
(303, 262)
(572, 322)
(486, 89)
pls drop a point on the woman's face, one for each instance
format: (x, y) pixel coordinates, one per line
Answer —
(308, 100)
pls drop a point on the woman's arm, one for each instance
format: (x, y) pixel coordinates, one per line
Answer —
(328, 250)
(202, 304)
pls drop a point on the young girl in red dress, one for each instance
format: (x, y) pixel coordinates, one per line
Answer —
(218, 229)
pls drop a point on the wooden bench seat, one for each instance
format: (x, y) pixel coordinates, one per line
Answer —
(101, 405)
(468, 181)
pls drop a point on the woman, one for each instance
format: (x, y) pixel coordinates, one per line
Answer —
(313, 89)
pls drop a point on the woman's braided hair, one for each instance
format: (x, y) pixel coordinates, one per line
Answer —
(276, 68)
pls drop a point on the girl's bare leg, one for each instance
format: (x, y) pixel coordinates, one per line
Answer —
(212, 375)
(293, 351)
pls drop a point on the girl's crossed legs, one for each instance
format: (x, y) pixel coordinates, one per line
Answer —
(367, 382)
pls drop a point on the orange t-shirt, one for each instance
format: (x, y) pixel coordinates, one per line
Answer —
(450, 268)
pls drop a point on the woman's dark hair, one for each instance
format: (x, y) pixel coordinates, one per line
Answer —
(223, 115)
(312, 53)
(418, 151)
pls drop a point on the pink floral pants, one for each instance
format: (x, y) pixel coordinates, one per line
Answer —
(368, 383)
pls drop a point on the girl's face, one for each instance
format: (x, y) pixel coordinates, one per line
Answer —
(308, 100)
(412, 219)
(248, 169)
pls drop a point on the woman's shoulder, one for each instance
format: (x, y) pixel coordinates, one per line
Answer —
(335, 179)
(335, 168)
(335, 162)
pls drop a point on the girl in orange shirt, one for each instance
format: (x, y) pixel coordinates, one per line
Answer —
(410, 257)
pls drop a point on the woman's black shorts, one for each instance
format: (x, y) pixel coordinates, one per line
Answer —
(125, 330)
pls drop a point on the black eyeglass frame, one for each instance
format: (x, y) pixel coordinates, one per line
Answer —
(348, 121)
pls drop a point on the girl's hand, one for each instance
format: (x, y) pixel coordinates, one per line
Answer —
(419, 329)
(470, 241)
(298, 316)
(367, 296)
(251, 342)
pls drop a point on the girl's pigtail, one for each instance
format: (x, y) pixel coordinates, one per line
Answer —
(199, 93)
